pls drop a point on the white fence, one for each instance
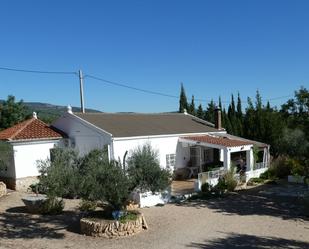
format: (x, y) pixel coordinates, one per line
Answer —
(261, 165)
(212, 177)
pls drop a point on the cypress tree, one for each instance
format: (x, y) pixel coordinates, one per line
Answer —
(200, 112)
(183, 103)
(192, 110)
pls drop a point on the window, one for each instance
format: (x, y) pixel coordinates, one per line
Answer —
(170, 161)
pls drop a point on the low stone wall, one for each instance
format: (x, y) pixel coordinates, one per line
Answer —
(112, 229)
(22, 184)
(2, 189)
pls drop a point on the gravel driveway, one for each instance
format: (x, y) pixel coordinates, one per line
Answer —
(247, 219)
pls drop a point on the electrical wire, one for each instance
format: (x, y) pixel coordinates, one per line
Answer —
(124, 85)
(36, 71)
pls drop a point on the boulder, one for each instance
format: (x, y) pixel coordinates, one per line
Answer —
(2, 189)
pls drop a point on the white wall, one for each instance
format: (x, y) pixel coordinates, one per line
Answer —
(27, 154)
(85, 136)
(164, 145)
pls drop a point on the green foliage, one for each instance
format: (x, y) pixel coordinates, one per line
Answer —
(294, 143)
(11, 112)
(183, 102)
(6, 154)
(38, 188)
(95, 178)
(192, 110)
(87, 206)
(128, 216)
(59, 176)
(229, 178)
(206, 188)
(52, 205)
(255, 180)
(144, 170)
(200, 112)
(103, 180)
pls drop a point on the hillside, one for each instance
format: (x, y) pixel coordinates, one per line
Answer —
(48, 112)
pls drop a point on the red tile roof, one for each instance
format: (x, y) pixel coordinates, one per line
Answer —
(219, 140)
(30, 129)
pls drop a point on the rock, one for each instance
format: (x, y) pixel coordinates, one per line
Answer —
(107, 229)
(2, 189)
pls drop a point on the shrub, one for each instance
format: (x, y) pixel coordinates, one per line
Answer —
(255, 180)
(144, 170)
(52, 205)
(103, 180)
(87, 206)
(38, 188)
(59, 175)
(229, 178)
(206, 188)
(221, 185)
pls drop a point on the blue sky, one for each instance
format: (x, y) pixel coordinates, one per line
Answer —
(213, 47)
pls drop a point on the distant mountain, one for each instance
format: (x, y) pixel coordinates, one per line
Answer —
(48, 112)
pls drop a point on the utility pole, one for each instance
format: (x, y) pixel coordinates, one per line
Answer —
(81, 88)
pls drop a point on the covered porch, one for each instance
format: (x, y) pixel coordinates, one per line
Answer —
(210, 156)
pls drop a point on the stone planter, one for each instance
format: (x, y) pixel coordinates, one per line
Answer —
(112, 229)
(34, 203)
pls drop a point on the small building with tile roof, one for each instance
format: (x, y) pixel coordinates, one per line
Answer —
(30, 141)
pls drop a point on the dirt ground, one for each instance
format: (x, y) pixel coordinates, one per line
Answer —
(255, 218)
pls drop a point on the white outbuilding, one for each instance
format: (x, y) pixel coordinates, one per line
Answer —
(30, 141)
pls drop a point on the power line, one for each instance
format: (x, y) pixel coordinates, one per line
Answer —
(36, 71)
(130, 87)
(124, 85)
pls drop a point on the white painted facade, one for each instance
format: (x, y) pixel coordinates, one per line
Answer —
(164, 145)
(25, 157)
(83, 136)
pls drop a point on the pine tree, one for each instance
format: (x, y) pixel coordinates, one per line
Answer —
(11, 112)
(183, 103)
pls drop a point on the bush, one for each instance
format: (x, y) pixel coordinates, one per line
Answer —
(230, 181)
(87, 206)
(38, 188)
(144, 170)
(255, 180)
(52, 205)
(59, 175)
(103, 180)
(221, 185)
(206, 188)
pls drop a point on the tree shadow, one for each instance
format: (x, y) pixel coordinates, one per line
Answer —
(17, 223)
(234, 241)
(253, 202)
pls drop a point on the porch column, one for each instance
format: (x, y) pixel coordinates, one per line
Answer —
(249, 159)
(227, 159)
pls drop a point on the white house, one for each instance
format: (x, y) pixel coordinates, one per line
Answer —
(31, 141)
(181, 140)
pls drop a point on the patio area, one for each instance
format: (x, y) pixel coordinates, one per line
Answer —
(184, 187)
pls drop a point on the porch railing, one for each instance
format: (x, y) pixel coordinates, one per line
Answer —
(213, 174)
(261, 165)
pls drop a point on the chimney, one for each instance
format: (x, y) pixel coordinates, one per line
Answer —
(218, 124)
(185, 111)
(34, 115)
(69, 109)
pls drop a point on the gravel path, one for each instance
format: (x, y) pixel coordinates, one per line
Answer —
(247, 219)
